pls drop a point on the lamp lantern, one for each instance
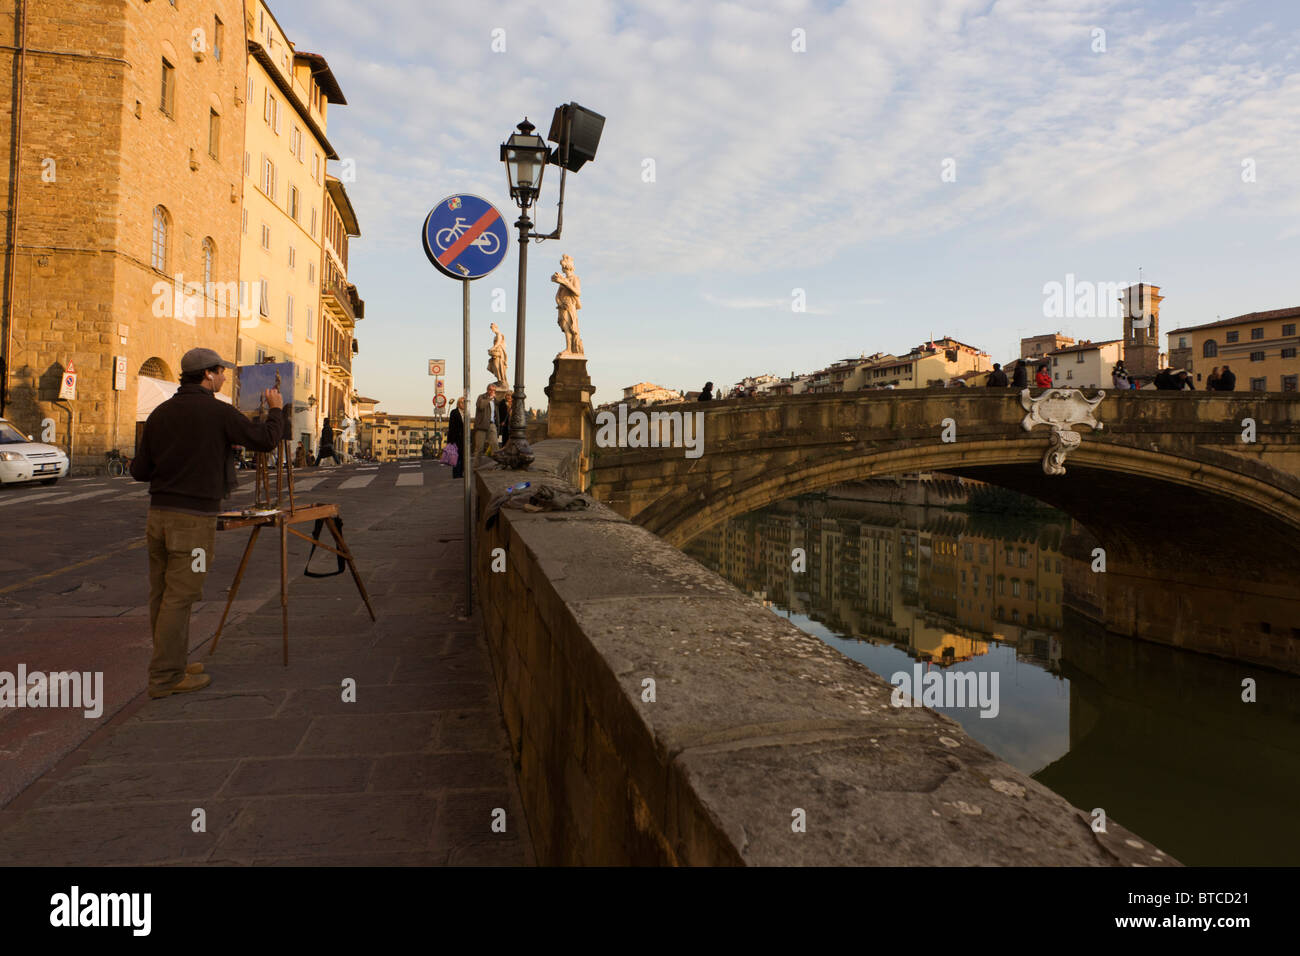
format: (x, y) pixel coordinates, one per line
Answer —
(525, 155)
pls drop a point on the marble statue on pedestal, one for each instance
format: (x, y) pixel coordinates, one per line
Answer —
(567, 303)
(497, 357)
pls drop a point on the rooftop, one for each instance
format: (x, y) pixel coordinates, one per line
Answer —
(1289, 313)
(1084, 346)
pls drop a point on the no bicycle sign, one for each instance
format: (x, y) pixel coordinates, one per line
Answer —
(465, 237)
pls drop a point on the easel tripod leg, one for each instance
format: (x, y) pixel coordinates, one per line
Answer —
(234, 588)
(284, 587)
(332, 524)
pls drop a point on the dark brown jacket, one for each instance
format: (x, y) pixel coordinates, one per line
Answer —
(186, 451)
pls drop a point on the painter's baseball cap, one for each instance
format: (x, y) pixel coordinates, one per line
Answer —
(196, 360)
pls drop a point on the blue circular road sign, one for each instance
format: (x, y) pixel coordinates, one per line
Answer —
(465, 237)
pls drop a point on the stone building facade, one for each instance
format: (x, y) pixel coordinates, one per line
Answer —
(341, 310)
(1261, 348)
(394, 437)
(286, 213)
(123, 137)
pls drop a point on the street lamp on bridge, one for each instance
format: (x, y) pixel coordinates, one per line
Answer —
(576, 132)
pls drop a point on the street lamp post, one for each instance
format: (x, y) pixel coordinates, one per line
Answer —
(525, 156)
(576, 130)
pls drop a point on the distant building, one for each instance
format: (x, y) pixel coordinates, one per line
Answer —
(647, 393)
(1086, 365)
(928, 365)
(393, 437)
(794, 385)
(1036, 346)
(834, 378)
(758, 384)
(1260, 347)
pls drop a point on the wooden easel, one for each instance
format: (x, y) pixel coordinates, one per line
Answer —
(283, 522)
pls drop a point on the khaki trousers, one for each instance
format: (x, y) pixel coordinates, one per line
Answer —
(176, 574)
(486, 436)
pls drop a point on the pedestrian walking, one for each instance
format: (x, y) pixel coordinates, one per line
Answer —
(707, 394)
(1119, 376)
(997, 377)
(1184, 380)
(186, 453)
(456, 437)
(1044, 377)
(326, 449)
(1020, 376)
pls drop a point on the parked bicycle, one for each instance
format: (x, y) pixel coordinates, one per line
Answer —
(118, 464)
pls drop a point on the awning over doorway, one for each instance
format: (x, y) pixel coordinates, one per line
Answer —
(153, 392)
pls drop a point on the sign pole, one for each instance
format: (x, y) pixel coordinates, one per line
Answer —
(468, 470)
(464, 238)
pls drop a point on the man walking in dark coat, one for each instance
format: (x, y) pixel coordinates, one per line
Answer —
(186, 453)
(1227, 380)
(997, 377)
(1020, 377)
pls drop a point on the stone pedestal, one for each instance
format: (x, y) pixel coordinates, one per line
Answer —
(570, 394)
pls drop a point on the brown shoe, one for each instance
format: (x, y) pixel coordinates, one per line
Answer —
(186, 684)
(195, 668)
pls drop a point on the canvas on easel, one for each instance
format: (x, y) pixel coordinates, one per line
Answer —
(269, 505)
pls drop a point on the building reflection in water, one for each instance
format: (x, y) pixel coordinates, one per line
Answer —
(1156, 736)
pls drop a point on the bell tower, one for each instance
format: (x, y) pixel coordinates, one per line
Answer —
(1142, 329)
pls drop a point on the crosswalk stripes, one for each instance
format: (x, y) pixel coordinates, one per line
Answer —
(35, 498)
(80, 497)
(129, 492)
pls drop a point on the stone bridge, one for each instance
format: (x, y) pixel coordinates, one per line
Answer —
(1168, 484)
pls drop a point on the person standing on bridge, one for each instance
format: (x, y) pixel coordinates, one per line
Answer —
(487, 415)
(997, 377)
(1119, 376)
(707, 394)
(1044, 377)
(1020, 376)
(1227, 380)
(456, 437)
(186, 453)
(1212, 380)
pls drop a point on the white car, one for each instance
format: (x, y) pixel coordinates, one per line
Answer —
(22, 459)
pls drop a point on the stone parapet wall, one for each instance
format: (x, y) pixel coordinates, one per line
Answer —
(754, 723)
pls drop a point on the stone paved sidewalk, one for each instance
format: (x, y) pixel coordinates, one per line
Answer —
(283, 769)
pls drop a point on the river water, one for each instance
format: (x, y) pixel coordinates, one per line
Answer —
(1158, 738)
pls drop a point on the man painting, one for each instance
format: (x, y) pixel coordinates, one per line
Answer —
(186, 453)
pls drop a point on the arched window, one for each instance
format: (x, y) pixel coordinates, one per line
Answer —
(161, 224)
(1210, 349)
(156, 368)
(209, 264)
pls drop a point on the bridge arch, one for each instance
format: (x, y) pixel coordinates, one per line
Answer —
(678, 520)
(1167, 482)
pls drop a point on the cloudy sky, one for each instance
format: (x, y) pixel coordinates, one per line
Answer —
(915, 167)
